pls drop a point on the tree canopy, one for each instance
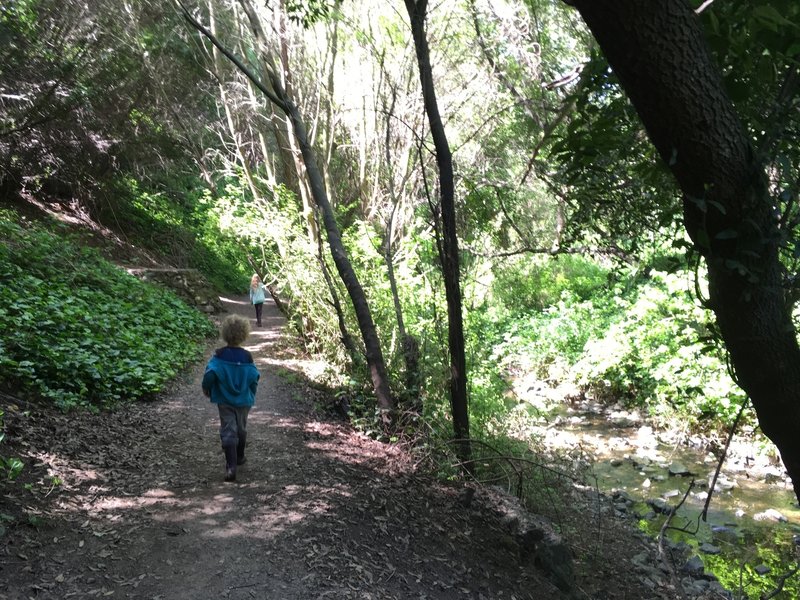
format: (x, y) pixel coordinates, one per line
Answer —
(457, 205)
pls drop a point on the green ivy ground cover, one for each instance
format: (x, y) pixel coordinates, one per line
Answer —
(79, 331)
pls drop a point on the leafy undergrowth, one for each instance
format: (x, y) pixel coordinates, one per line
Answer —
(638, 337)
(78, 331)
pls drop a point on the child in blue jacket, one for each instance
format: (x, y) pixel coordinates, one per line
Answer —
(230, 381)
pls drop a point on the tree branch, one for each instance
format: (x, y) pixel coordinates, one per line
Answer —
(703, 6)
(232, 57)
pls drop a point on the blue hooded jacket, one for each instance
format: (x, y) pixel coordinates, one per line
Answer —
(229, 381)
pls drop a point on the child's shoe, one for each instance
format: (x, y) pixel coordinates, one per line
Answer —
(230, 463)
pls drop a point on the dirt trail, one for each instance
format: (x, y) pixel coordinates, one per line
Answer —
(319, 511)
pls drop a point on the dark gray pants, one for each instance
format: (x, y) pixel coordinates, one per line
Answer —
(233, 427)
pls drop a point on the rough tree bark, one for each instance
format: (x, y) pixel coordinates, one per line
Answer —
(417, 10)
(278, 96)
(658, 51)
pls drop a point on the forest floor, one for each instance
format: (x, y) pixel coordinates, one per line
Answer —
(132, 504)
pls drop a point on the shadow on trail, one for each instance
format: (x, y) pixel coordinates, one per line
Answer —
(319, 510)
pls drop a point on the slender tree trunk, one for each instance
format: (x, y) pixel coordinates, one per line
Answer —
(409, 344)
(288, 85)
(235, 136)
(286, 140)
(290, 177)
(449, 254)
(498, 72)
(347, 339)
(369, 334)
(657, 49)
(329, 126)
(348, 275)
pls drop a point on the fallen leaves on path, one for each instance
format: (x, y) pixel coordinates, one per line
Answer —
(131, 504)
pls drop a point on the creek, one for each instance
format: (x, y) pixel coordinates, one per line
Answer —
(751, 536)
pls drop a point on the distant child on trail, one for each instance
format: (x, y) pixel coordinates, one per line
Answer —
(231, 381)
(257, 296)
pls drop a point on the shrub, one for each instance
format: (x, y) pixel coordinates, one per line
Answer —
(179, 221)
(79, 331)
(529, 284)
(642, 341)
(655, 355)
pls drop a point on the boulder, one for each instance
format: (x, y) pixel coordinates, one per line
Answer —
(770, 515)
(707, 548)
(660, 506)
(694, 567)
(538, 542)
(762, 569)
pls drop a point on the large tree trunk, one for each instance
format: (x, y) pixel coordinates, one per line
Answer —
(657, 49)
(449, 248)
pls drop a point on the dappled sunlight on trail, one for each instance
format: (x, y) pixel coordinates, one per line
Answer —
(228, 302)
(318, 509)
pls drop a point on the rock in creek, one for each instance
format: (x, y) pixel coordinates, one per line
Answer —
(677, 469)
(694, 567)
(770, 515)
(707, 548)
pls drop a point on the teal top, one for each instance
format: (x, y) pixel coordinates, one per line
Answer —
(229, 382)
(257, 296)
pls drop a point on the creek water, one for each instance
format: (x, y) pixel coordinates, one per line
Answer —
(750, 537)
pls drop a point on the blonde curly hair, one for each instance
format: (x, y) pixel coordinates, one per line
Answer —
(235, 330)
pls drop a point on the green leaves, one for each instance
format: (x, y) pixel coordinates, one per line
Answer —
(626, 337)
(770, 18)
(9, 467)
(12, 467)
(310, 12)
(80, 331)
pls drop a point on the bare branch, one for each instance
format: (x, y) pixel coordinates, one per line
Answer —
(704, 514)
(232, 57)
(703, 6)
(781, 582)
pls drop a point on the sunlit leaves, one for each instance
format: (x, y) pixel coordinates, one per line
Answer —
(309, 12)
(625, 337)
